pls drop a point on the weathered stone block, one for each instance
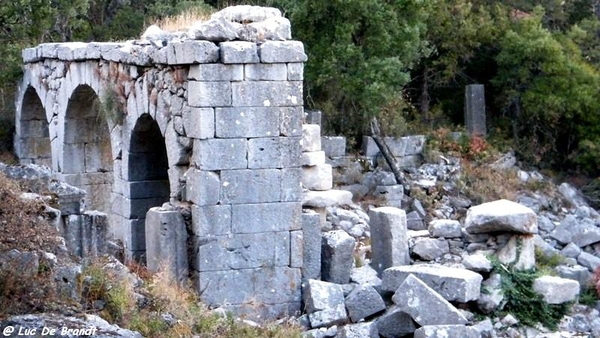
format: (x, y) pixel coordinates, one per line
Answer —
(265, 72)
(252, 218)
(247, 122)
(445, 228)
(361, 330)
(334, 146)
(191, 51)
(556, 290)
(395, 323)
(323, 199)
(291, 185)
(311, 158)
(267, 94)
(241, 251)
(220, 154)
(291, 121)
(296, 249)
(362, 302)
(239, 52)
(278, 285)
(311, 230)
(582, 232)
(336, 256)
(231, 286)
(452, 284)
(276, 152)
(324, 303)
(501, 216)
(209, 93)
(518, 252)
(389, 192)
(199, 122)
(166, 242)
(282, 52)
(211, 220)
(388, 238)
(435, 331)
(216, 72)
(250, 186)
(589, 261)
(318, 177)
(429, 249)
(475, 110)
(577, 273)
(295, 71)
(202, 187)
(424, 305)
(311, 137)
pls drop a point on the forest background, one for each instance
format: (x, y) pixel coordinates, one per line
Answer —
(404, 61)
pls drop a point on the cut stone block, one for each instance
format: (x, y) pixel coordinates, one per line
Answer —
(556, 290)
(453, 284)
(318, 177)
(242, 122)
(518, 252)
(329, 198)
(239, 52)
(581, 232)
(265, 217)
(475, 110)
(250, 186)
(424, 305)
(395, 323)
(445, 228)
(324, 303)
(220, 154)
(334, 146)
(209, 93)
(589, 261)
(577, 273)
(311, 158)
(389, 242)
(202, 187)
(166, 242)
(282, 52)
(266, 93)
(437, 331)
(430, 248)
(365, 275)
(362, 330)
(311, 229)
(336, 256)
(311, 137)
(216, 72)
(501, 216)
(362, 302)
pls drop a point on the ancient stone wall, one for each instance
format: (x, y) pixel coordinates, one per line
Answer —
(212, 127)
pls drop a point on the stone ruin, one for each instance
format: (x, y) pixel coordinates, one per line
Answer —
(191, 145)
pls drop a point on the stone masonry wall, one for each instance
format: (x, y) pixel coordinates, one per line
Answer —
(211, 127)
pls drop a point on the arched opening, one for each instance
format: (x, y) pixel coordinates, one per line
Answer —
(87, 156)
(147, 177)
(33, 144)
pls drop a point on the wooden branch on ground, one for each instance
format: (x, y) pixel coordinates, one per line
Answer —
(386, 152)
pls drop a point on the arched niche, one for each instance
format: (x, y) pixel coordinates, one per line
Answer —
(33, 143)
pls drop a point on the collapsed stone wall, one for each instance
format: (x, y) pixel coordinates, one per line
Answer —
(213, 127)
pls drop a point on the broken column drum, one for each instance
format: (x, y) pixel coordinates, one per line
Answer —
(214, 125)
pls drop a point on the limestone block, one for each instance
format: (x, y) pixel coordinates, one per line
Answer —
(135, 208)
(190, 51)
(389, 243)
(291, 185)
(445, 228)
(311, 137)
(247, 122)
(589, 261)
(318, 177)
(71, 51)
(220, 154)
(291, 121)
(166, 238)
(414, 221)
(336, 256)
(199, 123)
(30, 55)
(323, 199)
(519, 252)
(362, 302)
(211, 220)
(556, 290)
(274, 28)
(253, 218)
(282, 52)
(278, 285)
(395, 323)
(215, 29)
(275, 152)
(246, 13)
(361, 330)
(453, 284)
(267, 94)
(582, 232)
(501, 216)
(435, 331)
(312, 158)
(239, 52)
(324, 303)
(177, 155)
(250, 186)
(48, 50)
(570, 250)
(424, 305)
(365, 275)
(334, 146)
(477, 262)
(389, 192)
(430, 248)
(311, 230)
(209, 93)
(231, 286)
(202, 187)
(265, 72)
(295, 71)
(296, 249)
(216, 72)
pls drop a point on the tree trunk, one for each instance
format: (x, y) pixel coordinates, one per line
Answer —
(385, 151)
(425, 99)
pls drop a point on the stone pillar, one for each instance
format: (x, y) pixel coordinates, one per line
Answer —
(166, 242)
(389, 241)
(475, 110)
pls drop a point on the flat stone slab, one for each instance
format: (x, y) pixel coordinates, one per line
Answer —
(424, 305)
(324, 199)
(438, 331)
(501, 216)
(453, 284)
(556, 290)
(362, 330)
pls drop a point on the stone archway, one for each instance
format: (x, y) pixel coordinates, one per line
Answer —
(33, 144)
(147, 175)
(87, 156)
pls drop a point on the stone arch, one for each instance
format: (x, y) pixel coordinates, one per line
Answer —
(146, 175)
(86, 151)
(33, 144)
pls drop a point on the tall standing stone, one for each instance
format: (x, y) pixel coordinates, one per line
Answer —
(475, 110)
(389, 241)
(336, 256)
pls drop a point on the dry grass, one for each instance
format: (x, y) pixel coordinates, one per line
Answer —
(184, 20)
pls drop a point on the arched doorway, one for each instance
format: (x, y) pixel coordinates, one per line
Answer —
(87, 157)
(33, 145)
(147, 177)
